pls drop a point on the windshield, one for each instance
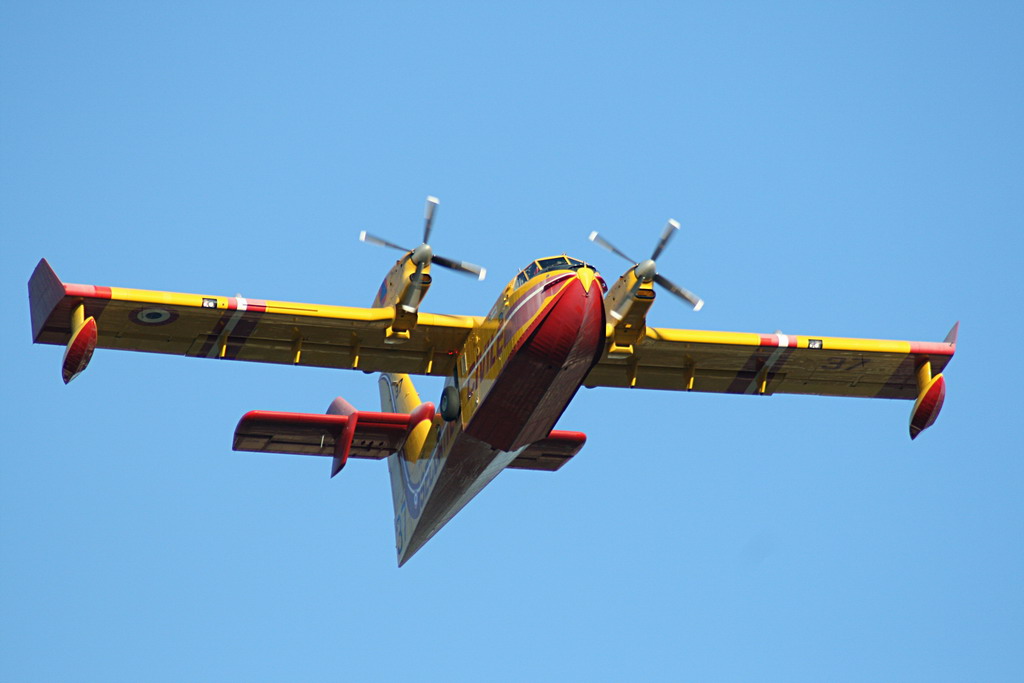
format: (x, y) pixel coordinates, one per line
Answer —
(545, 265)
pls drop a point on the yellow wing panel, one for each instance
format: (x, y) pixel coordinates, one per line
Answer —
(739, 363)
(237, 328)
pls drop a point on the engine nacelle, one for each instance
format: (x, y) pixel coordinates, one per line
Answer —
(626, 307)
(399, 291)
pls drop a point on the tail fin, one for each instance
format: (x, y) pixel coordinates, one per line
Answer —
(398, 395)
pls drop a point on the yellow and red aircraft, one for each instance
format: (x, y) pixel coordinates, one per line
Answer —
(509, 374)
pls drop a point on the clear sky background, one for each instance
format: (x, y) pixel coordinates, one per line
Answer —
(842, 169)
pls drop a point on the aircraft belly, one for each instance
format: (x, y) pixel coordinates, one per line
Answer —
(543, 373)
(525, 401)
(470, 465)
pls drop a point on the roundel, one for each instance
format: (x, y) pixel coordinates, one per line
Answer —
(153, 316)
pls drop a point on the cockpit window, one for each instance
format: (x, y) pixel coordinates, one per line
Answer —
(576, 264)
(547, 264)
(527, 273)
(553, 263)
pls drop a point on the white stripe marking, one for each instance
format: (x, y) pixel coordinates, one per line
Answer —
(755, 384)
(241, 306)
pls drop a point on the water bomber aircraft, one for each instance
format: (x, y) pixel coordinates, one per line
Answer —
(509, 375)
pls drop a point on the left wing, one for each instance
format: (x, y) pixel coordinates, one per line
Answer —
(737, 363)
(236, 328)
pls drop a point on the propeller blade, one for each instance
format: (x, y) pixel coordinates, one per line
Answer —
(432, 203)
(373, 239)
(685, 294)
(461, 266)
(671, 228)
(422, 256)
(602, 242)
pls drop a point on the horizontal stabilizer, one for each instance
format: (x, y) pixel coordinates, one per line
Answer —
(377, 435)
(551, 453)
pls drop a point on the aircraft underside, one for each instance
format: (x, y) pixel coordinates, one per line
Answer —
(530, 392)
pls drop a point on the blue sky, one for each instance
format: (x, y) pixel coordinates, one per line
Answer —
(852, 169)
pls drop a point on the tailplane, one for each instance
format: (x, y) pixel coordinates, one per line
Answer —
(342, 433)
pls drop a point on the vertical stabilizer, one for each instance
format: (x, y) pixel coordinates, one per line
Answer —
(408, 493)
(397, 394)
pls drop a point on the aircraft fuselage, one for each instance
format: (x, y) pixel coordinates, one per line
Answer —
(516, 375)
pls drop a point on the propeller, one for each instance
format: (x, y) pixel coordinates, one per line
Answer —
(422, 255)
(647, 270)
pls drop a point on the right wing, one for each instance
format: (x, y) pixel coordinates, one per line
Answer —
(764, 364)
(740, 363)
(236, 328)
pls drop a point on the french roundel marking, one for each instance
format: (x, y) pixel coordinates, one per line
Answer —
(152, 316)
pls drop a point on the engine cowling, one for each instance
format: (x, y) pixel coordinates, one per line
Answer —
(626, 307)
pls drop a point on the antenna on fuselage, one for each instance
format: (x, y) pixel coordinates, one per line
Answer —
(647, 271)
(423, 255)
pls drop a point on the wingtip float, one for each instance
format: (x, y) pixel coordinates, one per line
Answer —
(81, 345)
(931, 390)
(46, 294)
(509, 375)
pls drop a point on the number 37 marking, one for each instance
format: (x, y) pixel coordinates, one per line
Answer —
(845, 364)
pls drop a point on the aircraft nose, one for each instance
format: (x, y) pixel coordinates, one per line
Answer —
(586, 277)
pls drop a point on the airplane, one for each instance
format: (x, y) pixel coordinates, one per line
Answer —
(509, 375)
